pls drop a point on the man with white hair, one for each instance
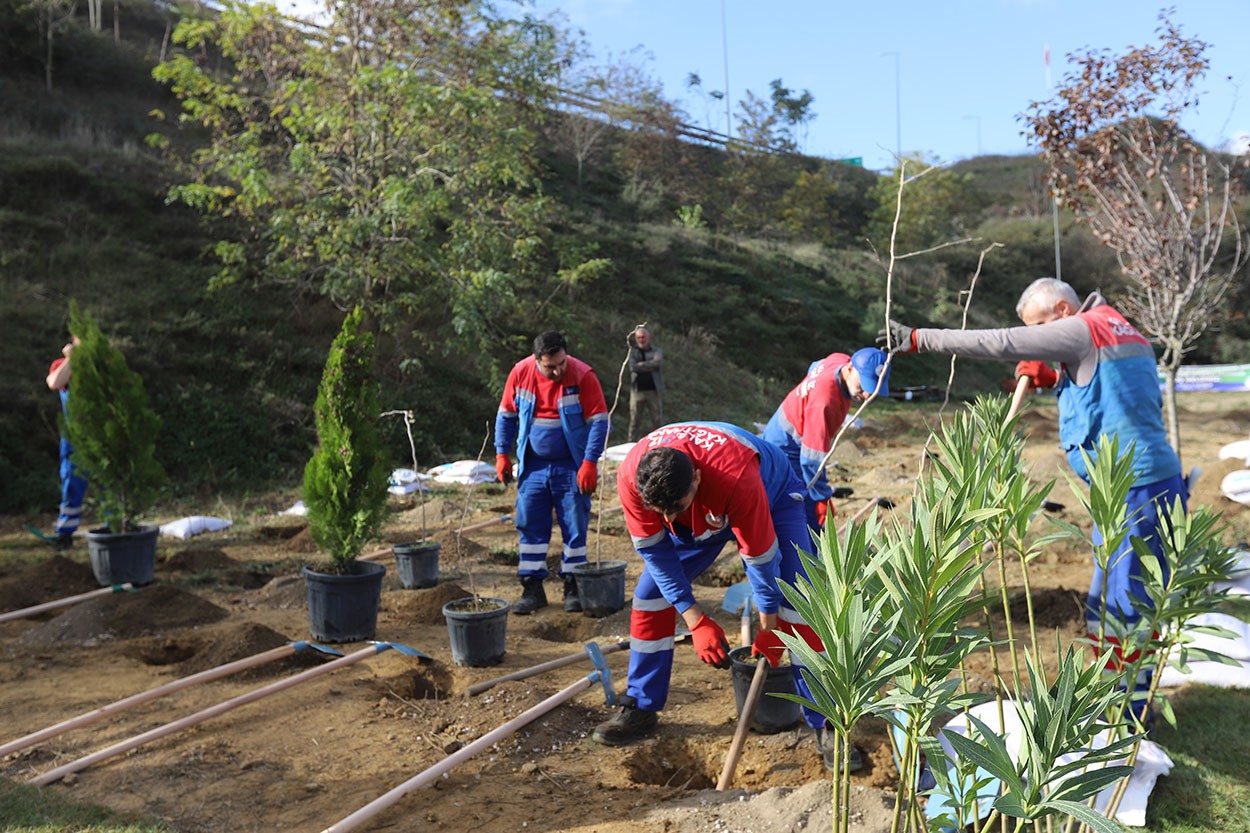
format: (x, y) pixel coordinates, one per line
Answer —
(1107, 384)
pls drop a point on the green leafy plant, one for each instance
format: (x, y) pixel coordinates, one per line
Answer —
(690, 217)
(112, 427)
(345, 480)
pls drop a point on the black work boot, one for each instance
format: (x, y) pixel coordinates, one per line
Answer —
(826, 744)
(572, 602)
(629, 725)
(64, 542)
(533, 596)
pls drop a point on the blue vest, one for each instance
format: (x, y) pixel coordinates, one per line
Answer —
(581, 434)
(1122, 400)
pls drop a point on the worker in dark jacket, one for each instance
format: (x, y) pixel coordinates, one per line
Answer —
(646, 383)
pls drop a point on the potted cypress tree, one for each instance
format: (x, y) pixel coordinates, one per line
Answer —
(345, 490)
(112, 427)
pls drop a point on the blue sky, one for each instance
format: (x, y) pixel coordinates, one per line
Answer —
(965, 68)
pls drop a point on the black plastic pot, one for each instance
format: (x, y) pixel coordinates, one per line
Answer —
(117, 558)
(417, 563)
(601, 587)
(344, 608)
(772, 714)
(477, 629)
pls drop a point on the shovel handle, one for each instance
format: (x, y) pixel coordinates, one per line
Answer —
(1017, 399)
(864, 510)
(744, 723)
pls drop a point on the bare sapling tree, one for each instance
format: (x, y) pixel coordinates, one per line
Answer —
(1120, 160)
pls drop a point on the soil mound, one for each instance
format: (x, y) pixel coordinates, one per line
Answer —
(156, 608)
(423, 607)
(301, 542)
(238, 641)
(46, 581)
(201, 566)
(195, 561)
(456, 547)
(282, 532)
(283, 592)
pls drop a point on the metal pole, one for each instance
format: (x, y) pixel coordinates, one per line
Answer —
(898, 107)
(724, 45)
(1054, 203)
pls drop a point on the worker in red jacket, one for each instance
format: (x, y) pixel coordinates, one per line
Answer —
(687, 490)
(73, 485)
(808, 419)
(553, 409)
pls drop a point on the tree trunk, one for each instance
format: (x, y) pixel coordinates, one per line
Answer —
(1169, 407)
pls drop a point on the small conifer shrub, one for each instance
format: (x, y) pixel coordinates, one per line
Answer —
(112, 427)
(345, 480)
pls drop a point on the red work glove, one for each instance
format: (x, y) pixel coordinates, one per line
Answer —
(709, 642)
(822, 511)
(768, 645)
(587, 477)
(1042, 374)
(503, 468)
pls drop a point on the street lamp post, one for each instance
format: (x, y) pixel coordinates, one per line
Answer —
(724, 45)
(898, 107)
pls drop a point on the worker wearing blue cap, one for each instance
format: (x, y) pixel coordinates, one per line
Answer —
(808, 419)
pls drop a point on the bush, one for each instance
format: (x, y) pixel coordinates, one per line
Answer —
(345, 481)
(112, 426)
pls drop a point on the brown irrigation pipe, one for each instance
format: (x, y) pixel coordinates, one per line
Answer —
(65, 602)
(744, 723)
(551, 665)
(200, 716)
(483, 524)
(378, 555)
(534, 670)
(87, 718)
(486, 741)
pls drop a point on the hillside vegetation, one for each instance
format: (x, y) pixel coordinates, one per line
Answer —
(746, 266)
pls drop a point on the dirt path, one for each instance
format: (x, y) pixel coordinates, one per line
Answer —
(307, 757)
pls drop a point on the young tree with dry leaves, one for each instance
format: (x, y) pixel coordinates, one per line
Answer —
(1120, 160)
